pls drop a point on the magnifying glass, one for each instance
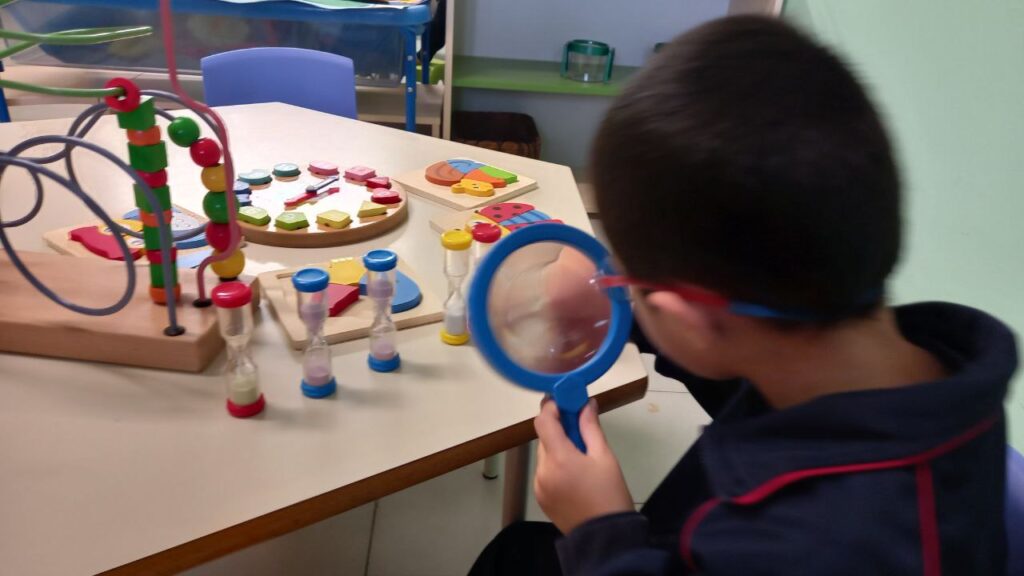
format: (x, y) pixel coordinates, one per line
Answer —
(540, 316)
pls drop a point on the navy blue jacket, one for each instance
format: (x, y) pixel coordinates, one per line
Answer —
(904, 481)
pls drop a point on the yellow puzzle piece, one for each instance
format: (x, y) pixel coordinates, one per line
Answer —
(334, 219)
(473, 188)
(346, 271)
(371, 209)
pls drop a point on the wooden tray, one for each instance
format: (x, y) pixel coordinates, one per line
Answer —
(417, 183)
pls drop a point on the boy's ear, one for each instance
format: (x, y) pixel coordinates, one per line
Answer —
(694, 322)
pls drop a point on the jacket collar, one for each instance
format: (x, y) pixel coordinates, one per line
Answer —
(748, 444)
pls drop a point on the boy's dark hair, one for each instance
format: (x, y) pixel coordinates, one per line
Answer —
(748, 160)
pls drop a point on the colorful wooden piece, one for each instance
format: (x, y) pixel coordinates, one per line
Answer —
(215, 206)
(346, 271)
(465, 166)
(354, 323)
(323, 168)
(443, 174)
(407, 293)
(310, 197)
(253, 215)
(385, 196)
(150, 219)
(507, 215)
(244, 200)
(360, 173)
(340, 297)
(148, 158)
(183, 131)
(156, 179)
(256, 177)
(157, 256)
(291, 220)
(473, 188)
(205, 152)
(218, 236)
(146, 137)
(141, 118)
(182, 221)
(163, 196)
(213, 178)
(100, 244)
(378, 182)
(334, 219)
(287, 170)
(514, 227)
(231, 267)
(506, 210)
(480, 176)
(505, 175)
(369, 209)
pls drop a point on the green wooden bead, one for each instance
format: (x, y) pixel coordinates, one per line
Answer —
(148, 158)
(183, 131)
(215, 205)
(151, 238)
(142, 118)
(163, 196)
(156, 275)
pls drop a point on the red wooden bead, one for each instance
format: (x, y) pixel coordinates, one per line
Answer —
(218, 236)
(154, 179)
(205, 152)
(126, 102)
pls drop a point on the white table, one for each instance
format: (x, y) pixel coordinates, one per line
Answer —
(111, 468)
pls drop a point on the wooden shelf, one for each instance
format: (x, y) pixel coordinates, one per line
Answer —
(530, 76)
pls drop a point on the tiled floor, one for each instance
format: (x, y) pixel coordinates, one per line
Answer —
(437, 528)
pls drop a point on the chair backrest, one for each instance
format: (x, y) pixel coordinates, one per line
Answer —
(308, 78)
(1015, 511)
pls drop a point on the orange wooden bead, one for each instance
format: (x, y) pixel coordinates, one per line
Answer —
(149, 219)
(160, 297)
(146, 137)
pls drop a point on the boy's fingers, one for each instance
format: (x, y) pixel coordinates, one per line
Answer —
(590, 427)
(549, 429)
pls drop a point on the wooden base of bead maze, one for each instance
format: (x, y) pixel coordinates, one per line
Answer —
(417, 183)
(354, 322)
(348, 199)
(30, 323)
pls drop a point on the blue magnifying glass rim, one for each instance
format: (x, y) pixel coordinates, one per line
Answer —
(479, 297)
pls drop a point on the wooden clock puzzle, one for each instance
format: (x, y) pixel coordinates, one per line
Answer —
(465, 184)
(317, 205)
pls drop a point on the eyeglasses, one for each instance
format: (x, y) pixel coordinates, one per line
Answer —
(692, 293)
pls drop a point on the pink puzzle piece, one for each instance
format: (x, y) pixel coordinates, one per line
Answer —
(360, 173)
(340, 297)
(378, 182)
(385, 196)
(322, 168)
(100, 244)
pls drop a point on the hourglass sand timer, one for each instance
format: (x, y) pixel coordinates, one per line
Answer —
(234, 319)
(380, 287)
(456, 244)
(311, 293)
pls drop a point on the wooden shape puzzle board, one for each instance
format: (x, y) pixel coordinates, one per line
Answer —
(30, 323)
(354, 322)
(417, 183)
(517, 214)
(348, 199)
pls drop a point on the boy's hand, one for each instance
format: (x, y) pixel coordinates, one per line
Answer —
(573, 487)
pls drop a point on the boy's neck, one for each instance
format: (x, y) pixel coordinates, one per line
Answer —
(858, 355)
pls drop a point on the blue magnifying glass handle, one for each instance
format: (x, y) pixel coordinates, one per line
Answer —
(570, 395)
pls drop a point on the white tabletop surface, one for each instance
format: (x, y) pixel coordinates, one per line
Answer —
(102, 465)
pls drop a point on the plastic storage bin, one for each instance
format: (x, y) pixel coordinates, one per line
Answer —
(587, 61)
(375, 50)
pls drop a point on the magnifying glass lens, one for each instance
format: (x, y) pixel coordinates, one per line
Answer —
(546, 309)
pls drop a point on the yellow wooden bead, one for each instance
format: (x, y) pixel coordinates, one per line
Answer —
(213, 178)
(231, 267)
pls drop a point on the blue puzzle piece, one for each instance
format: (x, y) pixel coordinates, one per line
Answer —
(244, 200)
(526, 218)
(242, 187)
(407, 293)
(193, 259)
(465, 166)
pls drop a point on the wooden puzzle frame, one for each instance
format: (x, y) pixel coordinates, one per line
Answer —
(417, 183)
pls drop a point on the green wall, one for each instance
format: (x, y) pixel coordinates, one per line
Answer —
(949, 76)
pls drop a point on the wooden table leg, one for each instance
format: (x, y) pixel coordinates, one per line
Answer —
(517, 471)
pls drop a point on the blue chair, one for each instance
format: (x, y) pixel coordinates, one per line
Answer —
(1015, 511)
(308, 78)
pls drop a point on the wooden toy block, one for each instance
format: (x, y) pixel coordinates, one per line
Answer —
(354, 323)
(213, 178)
(215, 205)
(369, 209)
(506, 210)
(159, 295)
(163, 195)
(323, 168)
(287, 170)
(148, 158)
(385, 196)
(434, 183)
(480, 176)
(146, 137)
(360, 173)
(508, 177)
(151, 238)
(340, 297)
(100, 244)
(378, 182)
(334, 219)
(142, 118)
(256, 177)
(183, 131)
(407, 293)
(253, 215)
(346, 271)
(291, 221)
(156, 275)
(30, 323)
(507, 215)
(443, 174)
(153, 179)
(474, 188)
(157, 256)
(149, 219)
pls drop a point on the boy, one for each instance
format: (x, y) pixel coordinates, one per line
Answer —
(749, 190)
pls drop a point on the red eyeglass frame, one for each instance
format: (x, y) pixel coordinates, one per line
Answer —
(688, 292)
